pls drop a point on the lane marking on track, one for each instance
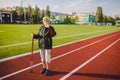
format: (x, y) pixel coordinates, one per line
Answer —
(88, 61)
(14, 44)
(14, 73)
(2, 31)
(54, 38)
(26, 54)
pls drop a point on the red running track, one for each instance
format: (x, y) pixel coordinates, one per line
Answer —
(104, 67)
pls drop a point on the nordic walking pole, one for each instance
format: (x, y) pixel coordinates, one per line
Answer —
(32, 49)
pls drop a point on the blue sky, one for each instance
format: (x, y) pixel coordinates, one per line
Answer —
(110, 7)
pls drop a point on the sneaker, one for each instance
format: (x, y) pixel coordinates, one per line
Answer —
(47, 73)
(43, 70)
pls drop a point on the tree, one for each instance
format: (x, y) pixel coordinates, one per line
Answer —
(36, 15)
(29, 13)
(21, 13)
(47, 11)
(14, 16)
(73, 19)
(67, 20)
(117, 18)
(53, 17)
(110, 19)
(99, 15)
(43, 13)
(105, 19)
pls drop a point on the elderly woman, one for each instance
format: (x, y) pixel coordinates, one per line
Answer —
(44, 36)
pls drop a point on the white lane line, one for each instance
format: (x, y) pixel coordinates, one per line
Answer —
(14, 73)
(54, 38)
(80, 34)
(25, 54)
(14, 44)
(88, 61)
(2, 31)
(17, 56)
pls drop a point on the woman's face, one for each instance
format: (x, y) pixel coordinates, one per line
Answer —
(45, 21)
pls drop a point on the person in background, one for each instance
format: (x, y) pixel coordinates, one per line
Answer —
(44, 36)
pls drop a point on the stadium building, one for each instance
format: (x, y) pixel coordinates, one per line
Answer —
(84, 18)
(5, 17)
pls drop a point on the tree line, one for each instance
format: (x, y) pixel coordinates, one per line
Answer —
(30, 14)
(100, 18)
(33, 15)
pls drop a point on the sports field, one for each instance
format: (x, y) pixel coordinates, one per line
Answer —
(16, 39)
(95, 58)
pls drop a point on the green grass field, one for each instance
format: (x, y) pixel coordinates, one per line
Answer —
(15, 39)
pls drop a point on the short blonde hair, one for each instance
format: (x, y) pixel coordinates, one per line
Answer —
(46, 17)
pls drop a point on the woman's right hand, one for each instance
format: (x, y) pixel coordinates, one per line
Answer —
(32, 34)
